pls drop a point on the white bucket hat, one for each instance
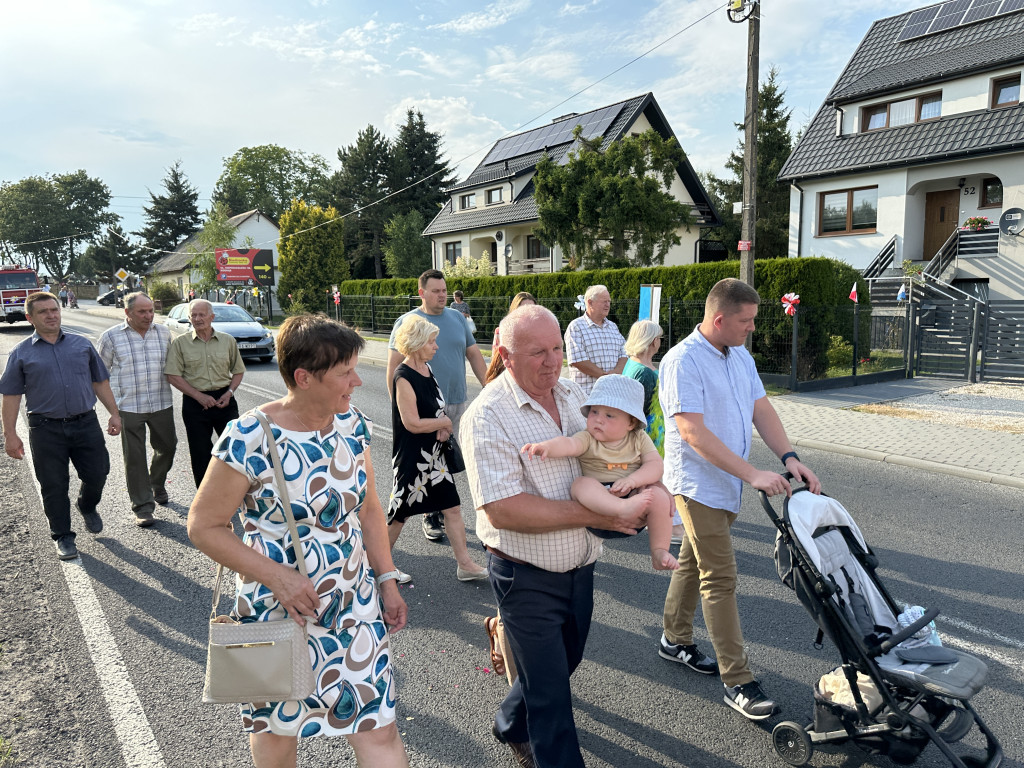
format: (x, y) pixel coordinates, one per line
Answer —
(618, 391)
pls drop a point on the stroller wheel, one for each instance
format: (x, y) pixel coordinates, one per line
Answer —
(792, 743)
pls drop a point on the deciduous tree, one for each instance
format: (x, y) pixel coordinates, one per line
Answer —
(217, 232)
(268, 178)
(612, 208)
(47, 218)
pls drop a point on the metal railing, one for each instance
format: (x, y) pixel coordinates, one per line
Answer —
(882, 261)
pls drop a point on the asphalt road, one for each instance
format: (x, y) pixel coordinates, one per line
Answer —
(951, 543)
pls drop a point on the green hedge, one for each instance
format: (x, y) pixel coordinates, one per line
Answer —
(823, 285)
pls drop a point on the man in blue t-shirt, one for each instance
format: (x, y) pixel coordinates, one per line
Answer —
(455, 345)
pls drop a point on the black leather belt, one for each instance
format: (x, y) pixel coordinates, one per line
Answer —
(65, 420)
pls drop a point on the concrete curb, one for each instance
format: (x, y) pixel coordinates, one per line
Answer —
(909, 461)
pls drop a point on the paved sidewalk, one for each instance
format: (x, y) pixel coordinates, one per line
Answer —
(821, 420)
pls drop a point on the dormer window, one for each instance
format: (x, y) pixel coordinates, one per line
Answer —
(1006, 91)
(494, 196)
(467, 202)
(903, 112)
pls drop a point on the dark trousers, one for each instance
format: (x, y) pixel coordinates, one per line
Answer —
(547, 619)
(143, 480)
(54, 443)
(201, 427)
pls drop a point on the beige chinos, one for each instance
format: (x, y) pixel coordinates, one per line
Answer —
(707, 567)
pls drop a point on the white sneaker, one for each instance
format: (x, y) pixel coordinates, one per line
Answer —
(403, 577)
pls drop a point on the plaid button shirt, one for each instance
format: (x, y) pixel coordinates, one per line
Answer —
(500, 421)
(136, 365)
(602, 345)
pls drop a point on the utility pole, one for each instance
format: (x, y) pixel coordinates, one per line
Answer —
(749, 11)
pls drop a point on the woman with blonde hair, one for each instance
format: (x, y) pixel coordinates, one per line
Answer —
(421, 450)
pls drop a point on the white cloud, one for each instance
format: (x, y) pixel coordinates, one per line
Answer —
(494, 15)
(575, 10)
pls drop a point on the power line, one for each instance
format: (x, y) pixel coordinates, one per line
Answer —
(427, 178)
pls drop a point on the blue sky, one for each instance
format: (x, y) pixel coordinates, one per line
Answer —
(123, 88)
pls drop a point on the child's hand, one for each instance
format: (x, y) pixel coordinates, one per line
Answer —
(535, 449)
(622, 486)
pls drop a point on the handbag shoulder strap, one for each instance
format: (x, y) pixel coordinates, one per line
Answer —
(286, 503)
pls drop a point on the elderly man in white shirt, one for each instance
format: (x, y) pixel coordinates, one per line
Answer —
(134, 353)
(593, 343)
(710, 393)
(541, 556)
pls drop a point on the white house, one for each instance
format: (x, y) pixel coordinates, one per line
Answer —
(254, 229)
(493, 211)
(923, 129)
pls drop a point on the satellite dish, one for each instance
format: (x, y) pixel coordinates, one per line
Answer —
(1012, 221)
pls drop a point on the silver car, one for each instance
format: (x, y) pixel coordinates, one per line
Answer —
(252, 338)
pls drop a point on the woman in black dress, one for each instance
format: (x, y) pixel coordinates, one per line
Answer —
(423, 480)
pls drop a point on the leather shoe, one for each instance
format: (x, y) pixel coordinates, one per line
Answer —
(144, 518)
(93, 522)
(160, 496)
(66, 549)
(521, 751)
(497, 659)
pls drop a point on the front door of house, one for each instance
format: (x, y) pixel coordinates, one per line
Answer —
(941, 216)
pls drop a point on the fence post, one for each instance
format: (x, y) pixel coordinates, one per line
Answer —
(912, 342)
(373, 319)
(972, 360)
(856, 328)
(670, 322)
(793, 351)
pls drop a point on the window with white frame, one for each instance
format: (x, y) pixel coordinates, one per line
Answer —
(494, 196)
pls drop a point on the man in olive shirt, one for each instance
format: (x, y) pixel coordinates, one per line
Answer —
(206, 367)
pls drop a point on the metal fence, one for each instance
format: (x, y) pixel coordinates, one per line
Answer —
(797, 352)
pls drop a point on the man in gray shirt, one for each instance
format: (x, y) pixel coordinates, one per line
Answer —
(61, 376)
(455, 345)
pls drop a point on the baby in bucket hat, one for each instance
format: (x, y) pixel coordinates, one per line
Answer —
(621, 466)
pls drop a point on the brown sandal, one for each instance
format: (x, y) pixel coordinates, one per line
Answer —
(497, 660)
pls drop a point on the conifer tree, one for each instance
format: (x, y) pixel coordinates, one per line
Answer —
(172, 216)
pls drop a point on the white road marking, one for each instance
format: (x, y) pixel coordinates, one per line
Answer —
(137, 740)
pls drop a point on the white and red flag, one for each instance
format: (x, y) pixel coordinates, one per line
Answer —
(853, 294)
(789, 303)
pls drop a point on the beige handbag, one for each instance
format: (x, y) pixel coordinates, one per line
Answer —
(264, 660)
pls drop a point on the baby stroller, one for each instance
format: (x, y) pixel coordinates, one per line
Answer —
(899, 692)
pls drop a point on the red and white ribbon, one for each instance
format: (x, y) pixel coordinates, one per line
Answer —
(789, 302)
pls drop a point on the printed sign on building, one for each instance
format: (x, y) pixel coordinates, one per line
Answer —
(245, 266)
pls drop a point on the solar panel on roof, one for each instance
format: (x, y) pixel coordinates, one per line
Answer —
(982, 9)
(552, 135)
(954, 13)
(918, 23)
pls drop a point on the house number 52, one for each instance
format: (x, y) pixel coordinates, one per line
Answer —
(969, 191)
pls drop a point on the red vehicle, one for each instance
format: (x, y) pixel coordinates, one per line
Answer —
(16, 283)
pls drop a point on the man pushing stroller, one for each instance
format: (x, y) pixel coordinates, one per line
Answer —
(709, 385)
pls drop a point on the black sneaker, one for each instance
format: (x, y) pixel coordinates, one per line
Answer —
(432, 529)
(749, 700)
(688, 655)
(93, 522)
(66, 549)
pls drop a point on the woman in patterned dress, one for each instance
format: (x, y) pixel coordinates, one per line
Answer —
(423, 481)
(350, 602)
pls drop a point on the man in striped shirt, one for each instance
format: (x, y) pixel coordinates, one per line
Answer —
(593, 343)
(135, 353)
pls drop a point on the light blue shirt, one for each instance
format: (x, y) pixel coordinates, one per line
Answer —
(449, 363)
(695, 377)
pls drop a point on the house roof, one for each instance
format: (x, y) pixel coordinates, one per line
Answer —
(503, 162)
(182, 255)
(881, 65)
